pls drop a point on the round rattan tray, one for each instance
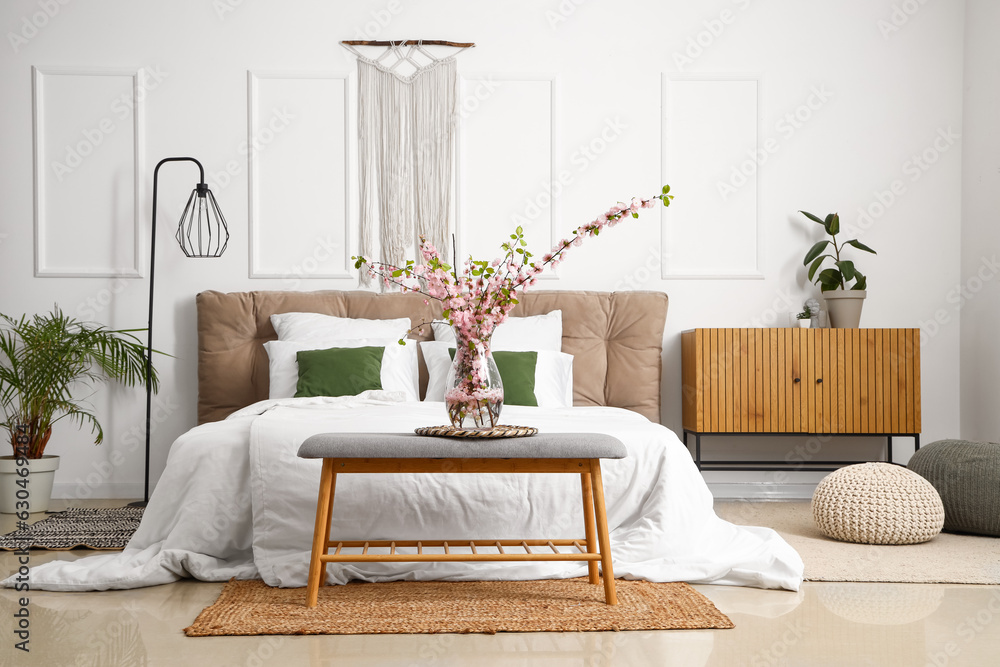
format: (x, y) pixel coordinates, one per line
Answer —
(501, 431)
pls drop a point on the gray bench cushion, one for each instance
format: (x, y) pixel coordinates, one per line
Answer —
(412, 446)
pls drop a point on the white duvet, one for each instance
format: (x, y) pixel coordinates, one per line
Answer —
(236, 501)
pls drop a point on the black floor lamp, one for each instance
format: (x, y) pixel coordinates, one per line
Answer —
(202, 232)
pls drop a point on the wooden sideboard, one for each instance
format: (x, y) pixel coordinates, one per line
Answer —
(800, 381)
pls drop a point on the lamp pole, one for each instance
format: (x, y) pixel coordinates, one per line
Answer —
(149, 328)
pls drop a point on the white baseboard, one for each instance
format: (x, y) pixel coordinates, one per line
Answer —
(761, 491)
(79, 491)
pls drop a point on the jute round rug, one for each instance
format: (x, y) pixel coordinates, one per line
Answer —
(429, 607)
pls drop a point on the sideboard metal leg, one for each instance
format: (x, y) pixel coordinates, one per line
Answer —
(697, 450)
(916, 443)
(889, 449)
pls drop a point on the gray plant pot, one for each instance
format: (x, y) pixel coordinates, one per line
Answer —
(844, 307)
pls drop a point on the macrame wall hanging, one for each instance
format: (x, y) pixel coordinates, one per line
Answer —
(407, 112)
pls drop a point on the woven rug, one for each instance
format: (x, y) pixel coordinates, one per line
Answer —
(949, 558)
(106, 528)
(429, 607)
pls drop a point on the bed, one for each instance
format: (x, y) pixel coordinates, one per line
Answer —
(235, 501)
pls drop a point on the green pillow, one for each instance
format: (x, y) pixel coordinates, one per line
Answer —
(517, 372)
(339, 371)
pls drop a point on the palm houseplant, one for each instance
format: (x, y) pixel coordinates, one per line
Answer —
(843, 299)
(49, 365)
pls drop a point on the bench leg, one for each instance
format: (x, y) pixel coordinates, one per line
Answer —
(321, 534)
(588, 522)
(602, 533)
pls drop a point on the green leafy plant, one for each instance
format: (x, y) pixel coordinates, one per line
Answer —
(833, 278)
(805, 314)
(44, 359)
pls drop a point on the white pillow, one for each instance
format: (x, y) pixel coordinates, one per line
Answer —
(517, 334)
(306, 327)
(553, 374)
(399, 364)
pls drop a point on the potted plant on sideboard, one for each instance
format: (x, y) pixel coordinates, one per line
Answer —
(45, 362)
(843, 303)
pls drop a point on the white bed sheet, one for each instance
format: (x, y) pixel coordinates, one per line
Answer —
(236, 501)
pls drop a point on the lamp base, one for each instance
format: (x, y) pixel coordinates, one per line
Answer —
(138, 503)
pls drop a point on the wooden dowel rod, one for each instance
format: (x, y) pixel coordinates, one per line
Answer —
(552, 546)
(409, 42)
(525, 545)
(438, 543)
(423, 558)
(500, 547)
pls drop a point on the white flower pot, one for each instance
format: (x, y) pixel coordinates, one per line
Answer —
(844, 307)
(37, 491)
(804, 324)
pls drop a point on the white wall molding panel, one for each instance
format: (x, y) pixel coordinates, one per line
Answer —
(87, 134)
(507, 130)
(298, 147)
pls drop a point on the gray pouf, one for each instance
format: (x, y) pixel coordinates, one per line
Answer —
(967, 476)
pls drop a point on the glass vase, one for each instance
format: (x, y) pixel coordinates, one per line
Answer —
(473, 391)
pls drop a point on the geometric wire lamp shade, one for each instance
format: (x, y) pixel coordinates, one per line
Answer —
(202, 231)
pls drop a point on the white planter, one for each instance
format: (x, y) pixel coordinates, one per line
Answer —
(804, 324)
(37, 491)
(844, 307)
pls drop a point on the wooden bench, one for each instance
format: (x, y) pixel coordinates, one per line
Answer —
(579, 453)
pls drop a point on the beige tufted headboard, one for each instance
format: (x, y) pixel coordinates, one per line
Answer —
(616, 340)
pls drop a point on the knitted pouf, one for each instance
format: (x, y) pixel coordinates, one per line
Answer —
(967, 475)
(877, 503)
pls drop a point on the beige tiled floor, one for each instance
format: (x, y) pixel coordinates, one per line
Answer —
(823, 624)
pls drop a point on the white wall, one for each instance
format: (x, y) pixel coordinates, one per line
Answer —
(978, 293)
(871, 86)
